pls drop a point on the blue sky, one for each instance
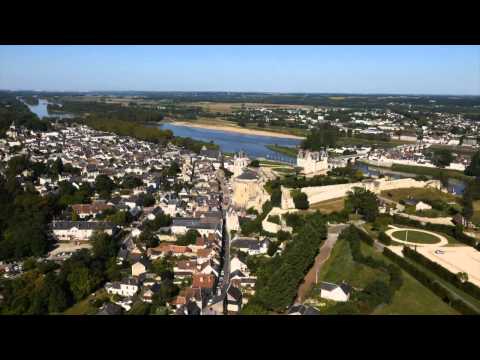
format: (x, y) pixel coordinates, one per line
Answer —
(343, 69)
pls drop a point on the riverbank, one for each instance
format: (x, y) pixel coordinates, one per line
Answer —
(234, 129)
(423, 170)
(283, 150)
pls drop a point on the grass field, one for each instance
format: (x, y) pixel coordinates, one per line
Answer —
(422, 170)
(329, 206)
(83, 307)
(420, 193)
(411, 299)
(341, 267)
(415, 237)
(344, 141)
(415, 299)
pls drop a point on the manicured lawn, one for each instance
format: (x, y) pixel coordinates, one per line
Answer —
(415, 299)
(415, 236)
(329, 206)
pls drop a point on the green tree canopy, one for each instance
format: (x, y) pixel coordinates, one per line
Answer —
(473, 169)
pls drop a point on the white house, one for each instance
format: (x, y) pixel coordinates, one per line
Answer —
(335, 292)
(127, 287)
(422, 206)
(237, 264)
(79, 230)
(140, 267)
(250, 245)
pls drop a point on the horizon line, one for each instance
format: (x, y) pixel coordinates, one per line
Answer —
(243, 92)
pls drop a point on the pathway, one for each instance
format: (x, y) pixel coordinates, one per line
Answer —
(322, 257)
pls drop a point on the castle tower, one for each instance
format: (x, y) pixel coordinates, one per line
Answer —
(240, 162)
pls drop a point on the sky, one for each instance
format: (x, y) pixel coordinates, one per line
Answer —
(443, 70)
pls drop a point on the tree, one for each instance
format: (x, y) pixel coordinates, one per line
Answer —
(467, 211)
(113, 270)
(442, 158)
(473, 169)
(57, 167)
(146, 200)
(140, 308)
(253, 309)
(443, 177)
(174, 169)
(462, 277)
(29, 264)
(283, 235)
(104, 186)
(131, 181)
(273, 247)
(362, 201)
(189, 238)
(254, 163)
(300, 200)
(148, 238)
(168, 290)
(324, 136)
(163, 265)
(384, 238)
(276, 197)
(104, 246)
(82, 282)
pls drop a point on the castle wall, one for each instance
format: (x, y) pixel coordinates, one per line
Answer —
(317, 194)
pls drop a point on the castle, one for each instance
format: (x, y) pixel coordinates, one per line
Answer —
(248, 190)
(313, 162)
(240, 162)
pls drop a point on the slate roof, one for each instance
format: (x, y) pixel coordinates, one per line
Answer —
(248, 175)
(82, 225)
(110, 309)
(330, 287)
(303, 310)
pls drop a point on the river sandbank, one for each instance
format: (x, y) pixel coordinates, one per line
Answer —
(238, 130)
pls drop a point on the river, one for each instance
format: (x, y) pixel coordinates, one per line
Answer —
(41, 110)
(252, 145)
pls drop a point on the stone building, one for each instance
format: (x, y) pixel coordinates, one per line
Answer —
(248, 191)
(313, 162)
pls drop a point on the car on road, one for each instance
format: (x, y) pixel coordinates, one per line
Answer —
(439, 252)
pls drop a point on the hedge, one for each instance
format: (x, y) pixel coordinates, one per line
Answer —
(352, 235)
(444, 273)
(447, 229)
(438, 289)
